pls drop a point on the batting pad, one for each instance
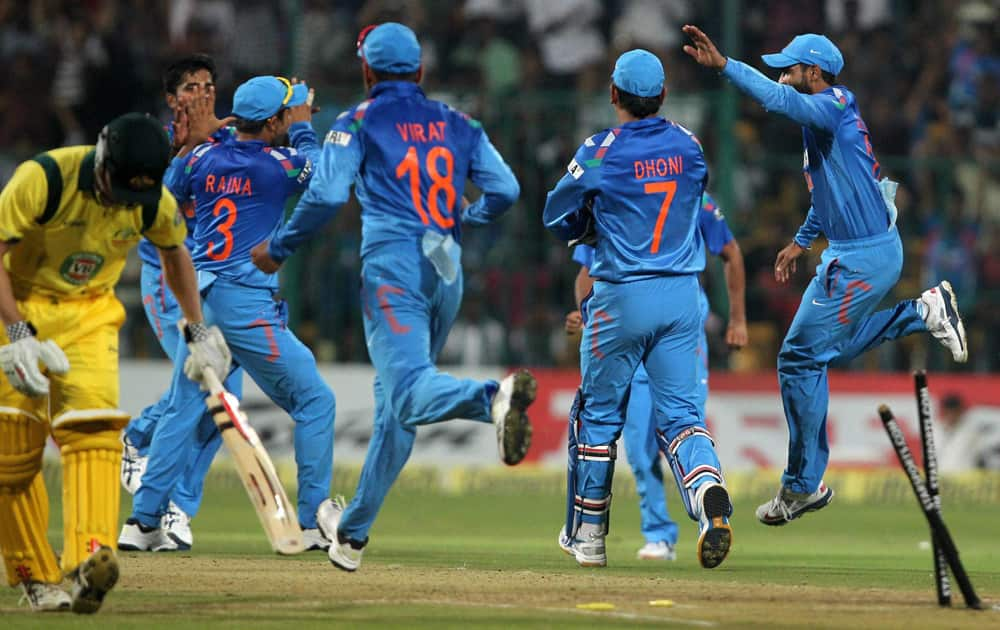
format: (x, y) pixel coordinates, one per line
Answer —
(24, 503)
(91, 458)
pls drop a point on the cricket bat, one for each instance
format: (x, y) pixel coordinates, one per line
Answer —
(277, 514)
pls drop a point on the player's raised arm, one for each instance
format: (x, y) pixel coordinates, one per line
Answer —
(807, 57)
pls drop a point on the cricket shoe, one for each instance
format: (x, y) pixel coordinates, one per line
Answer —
(93, 579)
(516, 393)
(587, 546)
(565, 542)
(943, 320)
(659, 550)
(133, 466)
(790, 505)
(176, 526)
(45, 597)
(314, 540)
(137, 537)
(345, 554)
(715, 535)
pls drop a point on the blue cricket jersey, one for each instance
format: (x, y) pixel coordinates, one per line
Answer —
(408, 157)
(839, 165)
(147, 251)
(643, 183)
(712, 229)
(240, 189)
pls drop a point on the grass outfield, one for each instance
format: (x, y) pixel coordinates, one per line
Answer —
(489, 559)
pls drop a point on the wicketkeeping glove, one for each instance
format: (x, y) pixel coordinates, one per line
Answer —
(208, 350)
(20, 358)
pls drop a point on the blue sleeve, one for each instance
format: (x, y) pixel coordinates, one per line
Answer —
(177, 181)
(809, 230)
(329, 188)
(584, 254)
(303, 138)
(490, 173)
(565, 213)
(713, 226)
(819, 111)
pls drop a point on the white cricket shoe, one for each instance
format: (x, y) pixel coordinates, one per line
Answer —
(943, 320)
(587, 546)
(790, 505)
(45, 597)
(93, 579)
(659, 550)
(516, 393)
(137, 537)
(565, 542)
(176, 526)
(344, 553)
(715, 535)
(133, 466)
(314, 540)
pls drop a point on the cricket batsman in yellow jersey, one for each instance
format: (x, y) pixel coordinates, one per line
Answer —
(67, 220)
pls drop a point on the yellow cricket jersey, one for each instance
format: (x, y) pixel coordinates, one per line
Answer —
(68, 244)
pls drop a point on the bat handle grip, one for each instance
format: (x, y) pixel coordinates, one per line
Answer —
(208, 374)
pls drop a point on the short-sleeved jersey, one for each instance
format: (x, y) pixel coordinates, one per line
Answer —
(147, 251)
(239, 189)
(643, 184)
(838, 161)
(712, 229)
(74, 246)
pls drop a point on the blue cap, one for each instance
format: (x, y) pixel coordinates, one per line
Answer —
(810, 49)
(262, 97)
(639, 72)
(391, 47)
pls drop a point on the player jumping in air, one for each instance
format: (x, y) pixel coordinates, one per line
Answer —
(187, 82)
(240, 188)
(409, 158)
(68, 218)
(636, 190)
(639, 434)
(856, 211)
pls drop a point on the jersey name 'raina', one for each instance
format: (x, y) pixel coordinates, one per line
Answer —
(659, 167)
(232, 185)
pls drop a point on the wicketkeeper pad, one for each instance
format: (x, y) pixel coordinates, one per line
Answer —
(91, 458)
(24, 503)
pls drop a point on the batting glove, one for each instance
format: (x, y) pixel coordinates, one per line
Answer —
(20, 358)
(208, 349)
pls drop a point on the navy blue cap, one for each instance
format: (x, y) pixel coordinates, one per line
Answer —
(392, 48)
(639, 72)
(262, 97)
(810, 49)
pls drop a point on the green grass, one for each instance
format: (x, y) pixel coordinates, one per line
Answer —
(489, 560)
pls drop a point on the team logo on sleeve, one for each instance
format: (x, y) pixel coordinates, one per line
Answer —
(341, 138)
(574, 169)
(306, 171)
(80, 267)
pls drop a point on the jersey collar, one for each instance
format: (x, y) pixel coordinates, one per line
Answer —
(85, 181)
(645, 122)
(402, 88)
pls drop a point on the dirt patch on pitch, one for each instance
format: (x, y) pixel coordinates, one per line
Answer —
(214, 588)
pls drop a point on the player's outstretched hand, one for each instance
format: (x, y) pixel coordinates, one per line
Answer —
(262, 258)
(736, 335)
(702, 49)
(784, 266)
(574, 322)
(202, 122)
(304, 112)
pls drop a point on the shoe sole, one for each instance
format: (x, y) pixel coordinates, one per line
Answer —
(951, 310)
(516, 429)
(101, 572)
(341, 565)
(714, 544)
(181, 544)
(812, 507)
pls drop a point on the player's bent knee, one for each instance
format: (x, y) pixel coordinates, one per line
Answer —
(22, 440)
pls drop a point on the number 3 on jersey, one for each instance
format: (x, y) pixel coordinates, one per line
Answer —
(224, 228)
(669, 188)
(439, 183)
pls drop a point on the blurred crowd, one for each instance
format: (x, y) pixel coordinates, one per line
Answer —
(926, 74)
